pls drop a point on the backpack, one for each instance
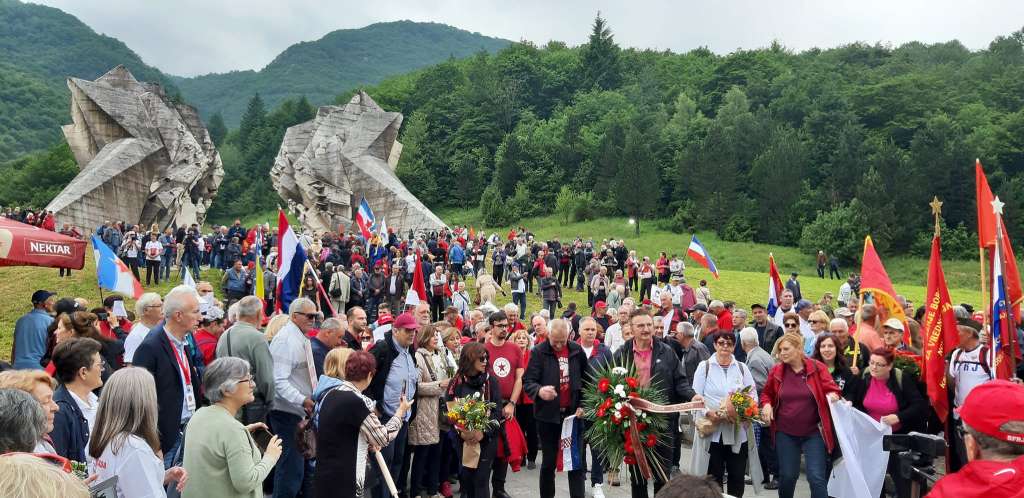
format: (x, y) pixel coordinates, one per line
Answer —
(983, 355)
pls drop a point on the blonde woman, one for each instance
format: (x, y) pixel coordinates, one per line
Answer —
(125, 442)
(333, 376)
(274, 326)
(28, 476)
(424, 430)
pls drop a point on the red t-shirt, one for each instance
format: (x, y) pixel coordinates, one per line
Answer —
(504, 361)
(524, 398)
(982, 478)
(725, 320)
(563, 377)
(797, 413)
(207, 344)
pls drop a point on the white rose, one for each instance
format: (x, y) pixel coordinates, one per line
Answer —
(619, 371)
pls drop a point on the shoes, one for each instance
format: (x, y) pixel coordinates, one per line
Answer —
(748, 481)
(675, 471)
(500, 493)
(598, 492)
(446, 489)
(773, 484)
(530, 465)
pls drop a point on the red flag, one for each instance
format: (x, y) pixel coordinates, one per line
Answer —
(987, 237)
(874, 279)
(939, 331)
(417, 280)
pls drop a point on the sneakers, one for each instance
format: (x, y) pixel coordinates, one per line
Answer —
(598, 491)
(530, 465)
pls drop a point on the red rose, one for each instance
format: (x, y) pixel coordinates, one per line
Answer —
(630, 460)
(607, 403)
(625, 410)
(603, 385)
(600, 412)
(651, 440)
(640, 426)
(632, 382)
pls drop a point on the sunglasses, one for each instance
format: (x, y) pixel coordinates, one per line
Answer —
(724, 343)
(311, 316)
(791, 325)
(483, 359)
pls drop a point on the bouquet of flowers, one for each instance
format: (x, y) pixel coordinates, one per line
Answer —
(469, 414)
(908, 362)
(606, 401)
(743, 404)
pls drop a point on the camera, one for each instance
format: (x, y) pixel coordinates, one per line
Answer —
(102, 316)
(916, 453)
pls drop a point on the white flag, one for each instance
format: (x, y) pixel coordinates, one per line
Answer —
(188, 280)
(383, 231)
(861, 471)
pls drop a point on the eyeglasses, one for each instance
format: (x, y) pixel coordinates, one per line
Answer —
(816, 321)
(879, 365)
(311, 316)
(791, 325)
(248, 380)
(155, 306)
(724, 344)
(501, 325)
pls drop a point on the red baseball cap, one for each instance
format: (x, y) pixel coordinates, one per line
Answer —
(600, 304)
(384, 319)
(406, 321)
(992, 404)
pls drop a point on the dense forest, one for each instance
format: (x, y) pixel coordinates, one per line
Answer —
(342, 59)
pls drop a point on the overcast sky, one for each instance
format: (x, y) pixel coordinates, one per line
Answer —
(190, 37)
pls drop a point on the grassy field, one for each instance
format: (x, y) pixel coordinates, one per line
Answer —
(742, 267)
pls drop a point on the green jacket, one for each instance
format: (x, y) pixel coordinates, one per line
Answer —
(221, 457)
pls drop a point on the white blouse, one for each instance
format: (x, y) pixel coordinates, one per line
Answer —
(716, 385)
(140, 472)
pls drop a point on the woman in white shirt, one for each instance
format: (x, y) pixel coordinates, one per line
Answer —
(729, 445)
(124, 441)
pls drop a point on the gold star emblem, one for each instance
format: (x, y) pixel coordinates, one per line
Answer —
(936, 205)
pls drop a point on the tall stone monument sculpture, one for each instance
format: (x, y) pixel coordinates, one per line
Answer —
(143, 158)
(325, 166)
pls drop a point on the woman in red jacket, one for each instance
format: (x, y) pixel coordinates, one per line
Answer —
(795, 403)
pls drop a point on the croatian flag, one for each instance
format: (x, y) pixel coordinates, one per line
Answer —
(292, 260)
(364, 219)
(569, 446)
(774, 286)
(111, 273)
(700, 255)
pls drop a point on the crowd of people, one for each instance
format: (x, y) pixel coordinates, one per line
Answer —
(199, 396)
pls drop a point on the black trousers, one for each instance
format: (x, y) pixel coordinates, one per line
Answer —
(645, 288)
(474, 483)
(499, 272)
(721, 459)
(563, 275)
(524, 415)
(638, 485)
(833, 273)
(550, 444)
(153, 269)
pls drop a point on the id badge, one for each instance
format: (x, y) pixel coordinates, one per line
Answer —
(190, 398)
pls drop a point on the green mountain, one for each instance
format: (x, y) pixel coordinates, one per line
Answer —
(341, 60)
(40, 47)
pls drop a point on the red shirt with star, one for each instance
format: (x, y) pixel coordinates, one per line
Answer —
(503, 361)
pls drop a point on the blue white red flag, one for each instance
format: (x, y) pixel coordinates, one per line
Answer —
(570, 446)
(700, 255)
(111, 273)
(1001, 330)
(364, 219)
(774, 286)
(292, 261)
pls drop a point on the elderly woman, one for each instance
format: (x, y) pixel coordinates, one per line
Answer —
(826, 350)
(221, 457)
(795, 403)
(818, 321)
(28, 476)
(349, 429)
(892, 398)
(79, 369)
(125, 442)
(23, 420)
(424, 430)
(40, 386)
(724, 448)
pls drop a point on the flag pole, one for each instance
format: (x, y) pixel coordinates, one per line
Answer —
(1011, 329)
(320, 288)
(981, 263)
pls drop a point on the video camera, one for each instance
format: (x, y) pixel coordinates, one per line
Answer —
(916, 453)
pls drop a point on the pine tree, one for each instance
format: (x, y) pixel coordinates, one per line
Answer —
(217, 129)
(637, 172)
(253, 119)
(601, 65)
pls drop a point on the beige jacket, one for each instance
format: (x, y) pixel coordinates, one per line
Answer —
(487, 288)
(423, 429)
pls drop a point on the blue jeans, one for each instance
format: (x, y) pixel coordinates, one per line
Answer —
(597, 465)
(519, 298)
(218, 260)
(392, 454)
(293, 474)
(788, 449)
(165, 266)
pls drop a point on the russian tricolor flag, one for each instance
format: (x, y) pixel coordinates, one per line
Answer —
(364, 219)
(700, 255)
(111, 273)
(292, 261)
(774, 286)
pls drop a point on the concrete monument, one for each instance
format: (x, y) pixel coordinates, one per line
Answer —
(143, 158)
(325, 166)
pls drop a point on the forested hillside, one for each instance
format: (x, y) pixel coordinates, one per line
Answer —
(342, 59)
(814, 148)
(39, 48)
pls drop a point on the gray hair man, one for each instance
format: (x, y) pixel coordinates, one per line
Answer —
(613, 336)
(294, 378)
(244, 340)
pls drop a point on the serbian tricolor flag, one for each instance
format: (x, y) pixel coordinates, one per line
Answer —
(774, 286)
(987, 237)
(292, 261)
(939, 332)
(1003, 331)
(570, 447)
(874, 279)
(700, 255)
(111, 273)
(364, 219)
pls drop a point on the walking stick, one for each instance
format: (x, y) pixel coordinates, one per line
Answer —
(386, 473)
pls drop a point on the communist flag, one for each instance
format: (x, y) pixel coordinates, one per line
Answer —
(987, 237)
(874, 279)
(939, 331)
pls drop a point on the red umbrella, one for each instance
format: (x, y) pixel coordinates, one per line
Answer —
(26, 245)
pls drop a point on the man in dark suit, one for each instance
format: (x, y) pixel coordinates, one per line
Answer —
(163, 352)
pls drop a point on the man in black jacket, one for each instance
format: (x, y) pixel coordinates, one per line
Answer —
(554, 379)
(656, 364)
(396, 373)
(163, 352)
